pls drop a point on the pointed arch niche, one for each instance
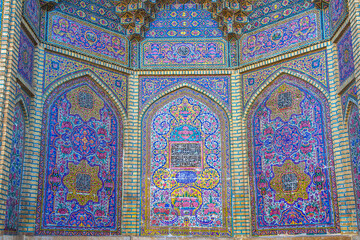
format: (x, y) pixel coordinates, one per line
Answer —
(16, 168)
(292, 177)
(81, 162)
(353, 126)
(185, 167)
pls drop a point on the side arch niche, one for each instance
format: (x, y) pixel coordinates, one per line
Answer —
(291, 166)
(81, 162)
(353, 125)
(15, 170)
(185, 167)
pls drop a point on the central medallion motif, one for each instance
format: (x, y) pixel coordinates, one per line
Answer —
(287, 140)
(83, 182)
(183, 51)
(290, 182)
(85, 103)
(284, 102)
(84, 140)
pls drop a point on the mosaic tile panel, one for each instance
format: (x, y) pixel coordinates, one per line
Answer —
(134, 54)
(185, 165)
(26, 57)
(338, 12)
(346, 56)
(80, 169)
(184, 20)
(87, 38)
(43, 23)
(32, 13)
(184, 53)
(293, 33)
(99, 12)
(271, 11)
(234, 53)
(350, 94)
(326, 23)
(292, 177)
(152, 86)
(312, 65)
(354, 142)
(15, 172)
(58, 66)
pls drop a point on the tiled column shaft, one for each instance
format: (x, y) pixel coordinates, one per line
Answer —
(239, 162)
(8, 70)
(342, 161)
(132, 162)
(30, 180)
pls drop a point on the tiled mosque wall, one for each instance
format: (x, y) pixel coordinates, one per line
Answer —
(100, 121)
(31, 12)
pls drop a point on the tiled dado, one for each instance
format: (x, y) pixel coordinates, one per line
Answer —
(337, 237)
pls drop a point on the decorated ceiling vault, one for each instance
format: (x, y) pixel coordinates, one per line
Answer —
(163, 119)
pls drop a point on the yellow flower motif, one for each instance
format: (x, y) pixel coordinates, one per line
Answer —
(185, 113)
(164, 178)
(208, 179)
(290, 182)
(83, 182)
(284, 102)
(85, 103)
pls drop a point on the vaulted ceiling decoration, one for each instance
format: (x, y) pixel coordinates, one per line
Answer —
(321, 3)
(136, 15)
(48, 4)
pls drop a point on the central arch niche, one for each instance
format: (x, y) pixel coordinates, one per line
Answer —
(185, 167)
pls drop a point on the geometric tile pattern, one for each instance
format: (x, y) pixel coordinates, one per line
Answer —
(184, 21)
(346, 56)
(26, 57)
(267, 12)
